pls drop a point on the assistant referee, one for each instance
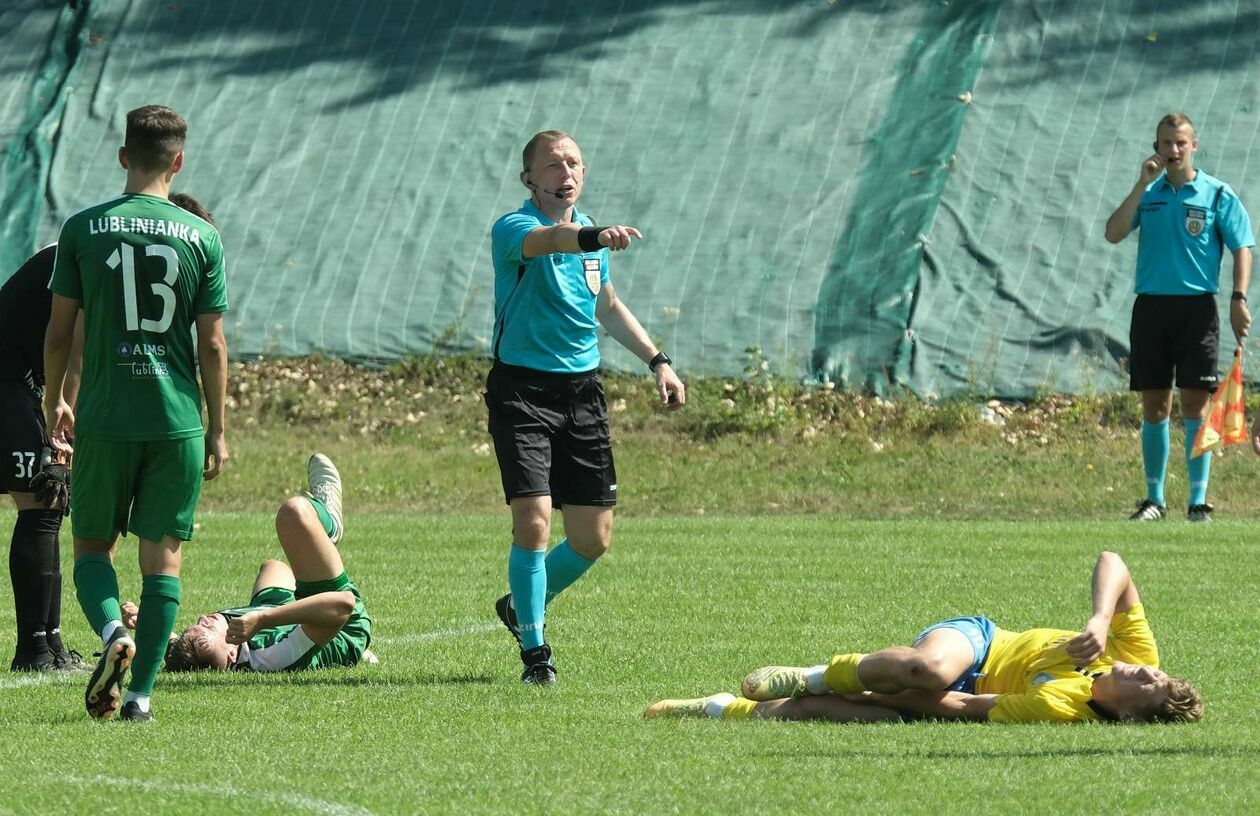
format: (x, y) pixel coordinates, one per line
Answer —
(1187, 220)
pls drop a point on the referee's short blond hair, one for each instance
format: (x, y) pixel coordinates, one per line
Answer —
(542, 136)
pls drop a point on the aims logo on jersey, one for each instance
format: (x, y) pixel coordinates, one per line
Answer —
(126, 349)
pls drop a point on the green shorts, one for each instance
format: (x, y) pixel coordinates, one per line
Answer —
(345, 649)
(148, 488)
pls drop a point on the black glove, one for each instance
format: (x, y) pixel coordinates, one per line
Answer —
(51, 485)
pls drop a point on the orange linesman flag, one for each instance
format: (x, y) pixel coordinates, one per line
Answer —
(1224, 423)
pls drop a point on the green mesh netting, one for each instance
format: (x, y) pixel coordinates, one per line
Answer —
(886, 194)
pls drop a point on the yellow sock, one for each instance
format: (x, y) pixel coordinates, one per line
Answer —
(842, 673)
(739, 710)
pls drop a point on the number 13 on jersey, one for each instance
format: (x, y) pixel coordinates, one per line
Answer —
(125, 256)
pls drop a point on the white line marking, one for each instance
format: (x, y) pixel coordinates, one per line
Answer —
(40, 679)
(293, 800)
(442, 634)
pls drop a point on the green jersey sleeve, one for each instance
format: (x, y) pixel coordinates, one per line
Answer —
(212, 293)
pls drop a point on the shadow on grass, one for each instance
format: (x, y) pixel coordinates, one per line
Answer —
(1045, 753)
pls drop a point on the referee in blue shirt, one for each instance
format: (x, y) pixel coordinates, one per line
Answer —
(1187, 220)
(548, 417)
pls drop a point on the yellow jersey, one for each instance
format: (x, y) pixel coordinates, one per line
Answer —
(1036, 681)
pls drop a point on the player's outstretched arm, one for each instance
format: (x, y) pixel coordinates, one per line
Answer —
(58, 340)
(1113, 592)
(320, 616)
(620, 322)
(573, 238)
(212, 355)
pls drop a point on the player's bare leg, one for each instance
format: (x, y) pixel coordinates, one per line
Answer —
(933, 663)
(311, 553)
(828, 707)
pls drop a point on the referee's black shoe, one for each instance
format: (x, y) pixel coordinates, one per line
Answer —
(503, 608)
(1200, 513)
(1148, 510)
(539, 670)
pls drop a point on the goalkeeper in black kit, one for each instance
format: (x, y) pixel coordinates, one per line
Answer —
(37, 482)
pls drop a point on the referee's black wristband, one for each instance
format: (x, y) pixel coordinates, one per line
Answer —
(1239, 296)
(588, 239)
(660, 358)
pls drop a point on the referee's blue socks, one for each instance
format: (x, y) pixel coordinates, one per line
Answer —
(1197, 468)
(527, 580)
(1155, 447)
(564, 566)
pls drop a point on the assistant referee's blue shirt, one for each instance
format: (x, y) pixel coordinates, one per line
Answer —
(544, 307)
(1182, 231)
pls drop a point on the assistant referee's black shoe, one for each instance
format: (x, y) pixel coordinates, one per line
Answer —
(1148, 510)
(1200, 513)
(539, 670)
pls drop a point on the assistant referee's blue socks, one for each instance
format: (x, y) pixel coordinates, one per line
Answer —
(527, 580)
(1155, 446)
(564, 566)
(1197, 468)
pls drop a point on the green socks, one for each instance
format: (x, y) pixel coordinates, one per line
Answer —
(96, 585)
(159, 603)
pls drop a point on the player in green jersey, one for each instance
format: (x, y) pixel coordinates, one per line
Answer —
(306, 614)
(144, 272)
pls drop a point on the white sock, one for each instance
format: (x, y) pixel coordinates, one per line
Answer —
(141, 700)
(108, 630)
(815, 683)
(716, 704)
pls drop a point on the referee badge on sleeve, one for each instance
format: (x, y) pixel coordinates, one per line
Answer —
(1196, 219)
(591, 266)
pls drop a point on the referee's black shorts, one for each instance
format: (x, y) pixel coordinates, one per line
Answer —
(1174, 333)
(21, 435)
(551, 435)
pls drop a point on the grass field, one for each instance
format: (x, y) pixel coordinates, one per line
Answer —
(682, 606)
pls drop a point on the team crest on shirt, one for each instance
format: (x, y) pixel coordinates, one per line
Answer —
(591, 267)
(1196, 220)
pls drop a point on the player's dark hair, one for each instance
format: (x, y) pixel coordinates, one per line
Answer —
(542, 136)
(155, 136)
(186, 202)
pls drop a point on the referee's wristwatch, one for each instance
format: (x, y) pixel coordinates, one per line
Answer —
(1239, 296)
(660, 358)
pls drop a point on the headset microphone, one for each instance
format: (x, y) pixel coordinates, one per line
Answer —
(555, 193)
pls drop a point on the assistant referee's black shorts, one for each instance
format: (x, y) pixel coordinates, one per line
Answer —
(21, 435)
(1174, 333)
(551, 435)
